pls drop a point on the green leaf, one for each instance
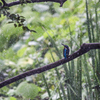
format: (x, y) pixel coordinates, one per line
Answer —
(22, 20)
(12, 98)
(33, 31)
(10, 22)
(12, 16)
(19, 25)
(21, 51)
(25, 28)
(27, 90)
(15, 25)
(25, 62)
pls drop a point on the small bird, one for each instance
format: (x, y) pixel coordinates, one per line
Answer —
(65, 51)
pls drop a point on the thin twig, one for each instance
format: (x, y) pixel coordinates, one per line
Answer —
(84, 48)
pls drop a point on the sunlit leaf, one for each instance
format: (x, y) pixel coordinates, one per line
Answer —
(21, 51)
(13, 98)
(27, 90)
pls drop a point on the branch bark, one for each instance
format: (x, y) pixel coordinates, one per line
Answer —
(4, 3)
(83, 49)
(32, 1)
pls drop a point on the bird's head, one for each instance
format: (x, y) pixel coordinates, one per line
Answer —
(65, 46)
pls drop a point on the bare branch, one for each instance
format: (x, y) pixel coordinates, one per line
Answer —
(84, 49)
(4, 3)
(34, 1)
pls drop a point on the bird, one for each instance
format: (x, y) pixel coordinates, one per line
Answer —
(65, 51)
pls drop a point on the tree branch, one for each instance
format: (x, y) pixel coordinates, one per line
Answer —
(32, 1)
(84, 48)
(4, 3)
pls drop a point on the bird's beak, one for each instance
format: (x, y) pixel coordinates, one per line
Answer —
(63, 45)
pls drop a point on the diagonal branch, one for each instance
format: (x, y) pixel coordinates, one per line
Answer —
(33, 1)
(84, 49)
(4, 3)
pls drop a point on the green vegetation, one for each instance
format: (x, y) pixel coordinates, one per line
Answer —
(75, 23)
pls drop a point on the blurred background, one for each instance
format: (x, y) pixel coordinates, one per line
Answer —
(75, 23)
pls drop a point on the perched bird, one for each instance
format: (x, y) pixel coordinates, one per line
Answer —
(65, 51)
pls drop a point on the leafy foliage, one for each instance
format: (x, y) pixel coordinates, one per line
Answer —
(27, 90)
(16, 19)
